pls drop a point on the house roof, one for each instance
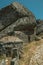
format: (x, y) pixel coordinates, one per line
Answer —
(7, 39)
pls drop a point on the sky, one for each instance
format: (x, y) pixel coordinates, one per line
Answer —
(36, 6)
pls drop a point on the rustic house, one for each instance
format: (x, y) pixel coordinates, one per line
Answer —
(11, 43)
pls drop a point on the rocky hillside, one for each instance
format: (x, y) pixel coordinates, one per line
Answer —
(18, 24)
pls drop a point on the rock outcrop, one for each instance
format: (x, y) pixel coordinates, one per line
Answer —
(16, 17)
(39, 29)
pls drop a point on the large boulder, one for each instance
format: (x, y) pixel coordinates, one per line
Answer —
(16, 17)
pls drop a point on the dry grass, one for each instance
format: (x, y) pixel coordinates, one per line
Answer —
(29, 51)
